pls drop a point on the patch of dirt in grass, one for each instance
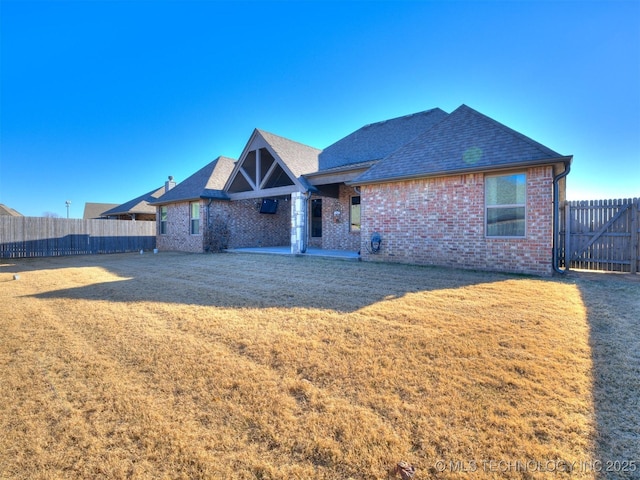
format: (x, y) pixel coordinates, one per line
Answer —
(251, 366)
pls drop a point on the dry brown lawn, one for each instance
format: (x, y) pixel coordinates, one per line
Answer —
(234, 366)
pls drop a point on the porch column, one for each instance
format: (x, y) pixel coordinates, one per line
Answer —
(298, 223)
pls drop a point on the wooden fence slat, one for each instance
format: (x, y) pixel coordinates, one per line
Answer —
(601, 230)
(635, 227)
(22, 237)
(602, 235)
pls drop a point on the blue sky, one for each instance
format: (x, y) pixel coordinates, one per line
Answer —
(102, 100)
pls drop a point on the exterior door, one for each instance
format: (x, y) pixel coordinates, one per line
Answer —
(316, 222)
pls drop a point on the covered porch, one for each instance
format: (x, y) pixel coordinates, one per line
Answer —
(277, 197)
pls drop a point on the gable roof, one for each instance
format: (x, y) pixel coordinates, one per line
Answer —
(464, 141)
(299, 158)
(293, 159)
(377, 140)
(4, 210)
(94, 210)
(139, 205)
(208, 182)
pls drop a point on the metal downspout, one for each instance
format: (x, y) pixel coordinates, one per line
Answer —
(305, 244)
(556, 217)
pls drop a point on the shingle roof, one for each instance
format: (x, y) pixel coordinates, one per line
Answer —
(4, 210)
(465, 140)
(377, 140)
(207, 182)
(94, 210)
(137, 205)
(299, 158)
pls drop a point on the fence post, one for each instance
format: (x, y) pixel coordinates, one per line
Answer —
(567, 236)
(635, 225)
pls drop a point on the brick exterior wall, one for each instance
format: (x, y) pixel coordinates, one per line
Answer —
(336, 232)
(440, 221)
(246, 226)
(178, 236)
(250, 228)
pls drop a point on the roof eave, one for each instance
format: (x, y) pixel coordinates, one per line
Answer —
(219, 195)
(174, 200)
(126, 212)
(343, 168)
(462, 171)
(224, 196)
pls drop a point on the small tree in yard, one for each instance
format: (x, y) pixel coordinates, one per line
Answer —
(216, 235)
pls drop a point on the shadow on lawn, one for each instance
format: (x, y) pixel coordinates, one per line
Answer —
(263, 281)
(613, 308)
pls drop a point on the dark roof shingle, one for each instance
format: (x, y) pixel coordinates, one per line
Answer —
(465, 140)
(207, 182)
(298, 157)
(139, 205)
(377, 140)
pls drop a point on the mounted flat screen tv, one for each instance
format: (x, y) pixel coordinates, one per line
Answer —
(269, 206)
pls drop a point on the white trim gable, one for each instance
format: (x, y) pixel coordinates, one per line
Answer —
(260, 172)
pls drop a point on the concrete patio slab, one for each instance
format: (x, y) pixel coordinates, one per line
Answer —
(286, 250)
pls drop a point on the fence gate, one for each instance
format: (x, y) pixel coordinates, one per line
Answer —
(601, 235)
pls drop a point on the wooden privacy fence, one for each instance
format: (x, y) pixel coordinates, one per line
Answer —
(23, 237)
(601, 235)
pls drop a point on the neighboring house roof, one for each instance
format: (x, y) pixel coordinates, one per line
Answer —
(208, 182)
(94, 210)
(139, 205)
(464, 141)
(377, 140)
(4, 210)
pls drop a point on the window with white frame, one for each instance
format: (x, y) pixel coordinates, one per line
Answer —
(354, 214)
(505, 201)
(195, 218)
(163, 220)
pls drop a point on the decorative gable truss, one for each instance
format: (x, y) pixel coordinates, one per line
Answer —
(260, 172)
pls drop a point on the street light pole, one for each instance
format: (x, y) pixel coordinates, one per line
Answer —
(68, 204)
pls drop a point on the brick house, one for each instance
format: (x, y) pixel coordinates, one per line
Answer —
(243, 203)
(139, 208)
(456, 189)
(468, 192)
(183, 206)
(336, 202)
